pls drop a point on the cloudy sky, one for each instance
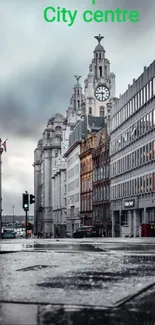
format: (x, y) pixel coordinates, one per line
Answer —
(38, 61)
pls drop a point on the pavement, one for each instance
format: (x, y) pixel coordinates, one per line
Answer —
(77, 281)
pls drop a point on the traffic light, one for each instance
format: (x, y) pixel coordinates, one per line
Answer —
(25, 201)
(32, 199)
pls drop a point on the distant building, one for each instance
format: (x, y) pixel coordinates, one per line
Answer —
(86, 170)
(50, 210)
(99, 74)
(132, 155)
(73, 187)
(86, 113)
(101, 180)
(59, 197)
(45, 155)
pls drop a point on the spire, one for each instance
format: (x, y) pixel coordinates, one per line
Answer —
(99, 38)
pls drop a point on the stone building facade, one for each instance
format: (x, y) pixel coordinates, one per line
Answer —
(73, 187)
(45, 156)
(86, 171)
(81, 118)
(101, 180)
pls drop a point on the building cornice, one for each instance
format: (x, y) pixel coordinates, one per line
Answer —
(85, 153)
(75, 144)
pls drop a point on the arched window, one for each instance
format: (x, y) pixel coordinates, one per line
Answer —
(100, 69)
(48, 135)
(58, 131)
(102, 112)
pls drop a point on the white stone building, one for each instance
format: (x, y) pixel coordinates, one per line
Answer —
(45, 155)
(73, 187)
(59, 188)
(59, 197)
(49, 154)
(99, 74)
(50, 168)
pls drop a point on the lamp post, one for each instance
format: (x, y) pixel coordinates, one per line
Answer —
(13, 208)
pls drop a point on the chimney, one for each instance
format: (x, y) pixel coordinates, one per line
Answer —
(128, 86)
(134, 80)
(145, 68)
(120, 95)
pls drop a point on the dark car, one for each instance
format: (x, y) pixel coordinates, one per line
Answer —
(86, 231)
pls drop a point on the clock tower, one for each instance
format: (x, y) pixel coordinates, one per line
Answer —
(100, 82)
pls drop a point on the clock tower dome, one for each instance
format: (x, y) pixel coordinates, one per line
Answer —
(100, 82)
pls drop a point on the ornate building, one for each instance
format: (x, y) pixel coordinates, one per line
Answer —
(50, 167)
(45, 155)
(101, 180)
(99, 86)
(86, 210)
(86, 112)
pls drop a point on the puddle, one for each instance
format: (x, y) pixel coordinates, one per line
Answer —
(36, 267)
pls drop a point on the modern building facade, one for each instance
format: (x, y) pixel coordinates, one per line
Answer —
(132, 155)
(101, 181)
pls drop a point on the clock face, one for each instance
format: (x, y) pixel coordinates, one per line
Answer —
(102, 93)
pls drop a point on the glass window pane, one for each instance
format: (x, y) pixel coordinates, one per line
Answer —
(154, 86)
(151, 90)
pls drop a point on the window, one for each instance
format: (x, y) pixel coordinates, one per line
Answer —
(147, 153)
(78, 103)
(147, 92)
(153, 149)
(141, 98)
(100, 56)
(48, 135)
(100, 70)
(150, 122)
(144, 154)
(144, 92)
(153, 86)
(90, 110)
(151, 92)
(154, 118)
(102, 111)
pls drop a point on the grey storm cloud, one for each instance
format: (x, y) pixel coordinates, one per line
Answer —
(38, 62)
(34, 96)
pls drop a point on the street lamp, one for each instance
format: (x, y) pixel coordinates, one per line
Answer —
(13, 208)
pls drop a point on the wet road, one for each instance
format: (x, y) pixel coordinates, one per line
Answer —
(97, 274)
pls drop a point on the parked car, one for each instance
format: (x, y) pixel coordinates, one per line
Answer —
(8, 235)
(86, 231)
